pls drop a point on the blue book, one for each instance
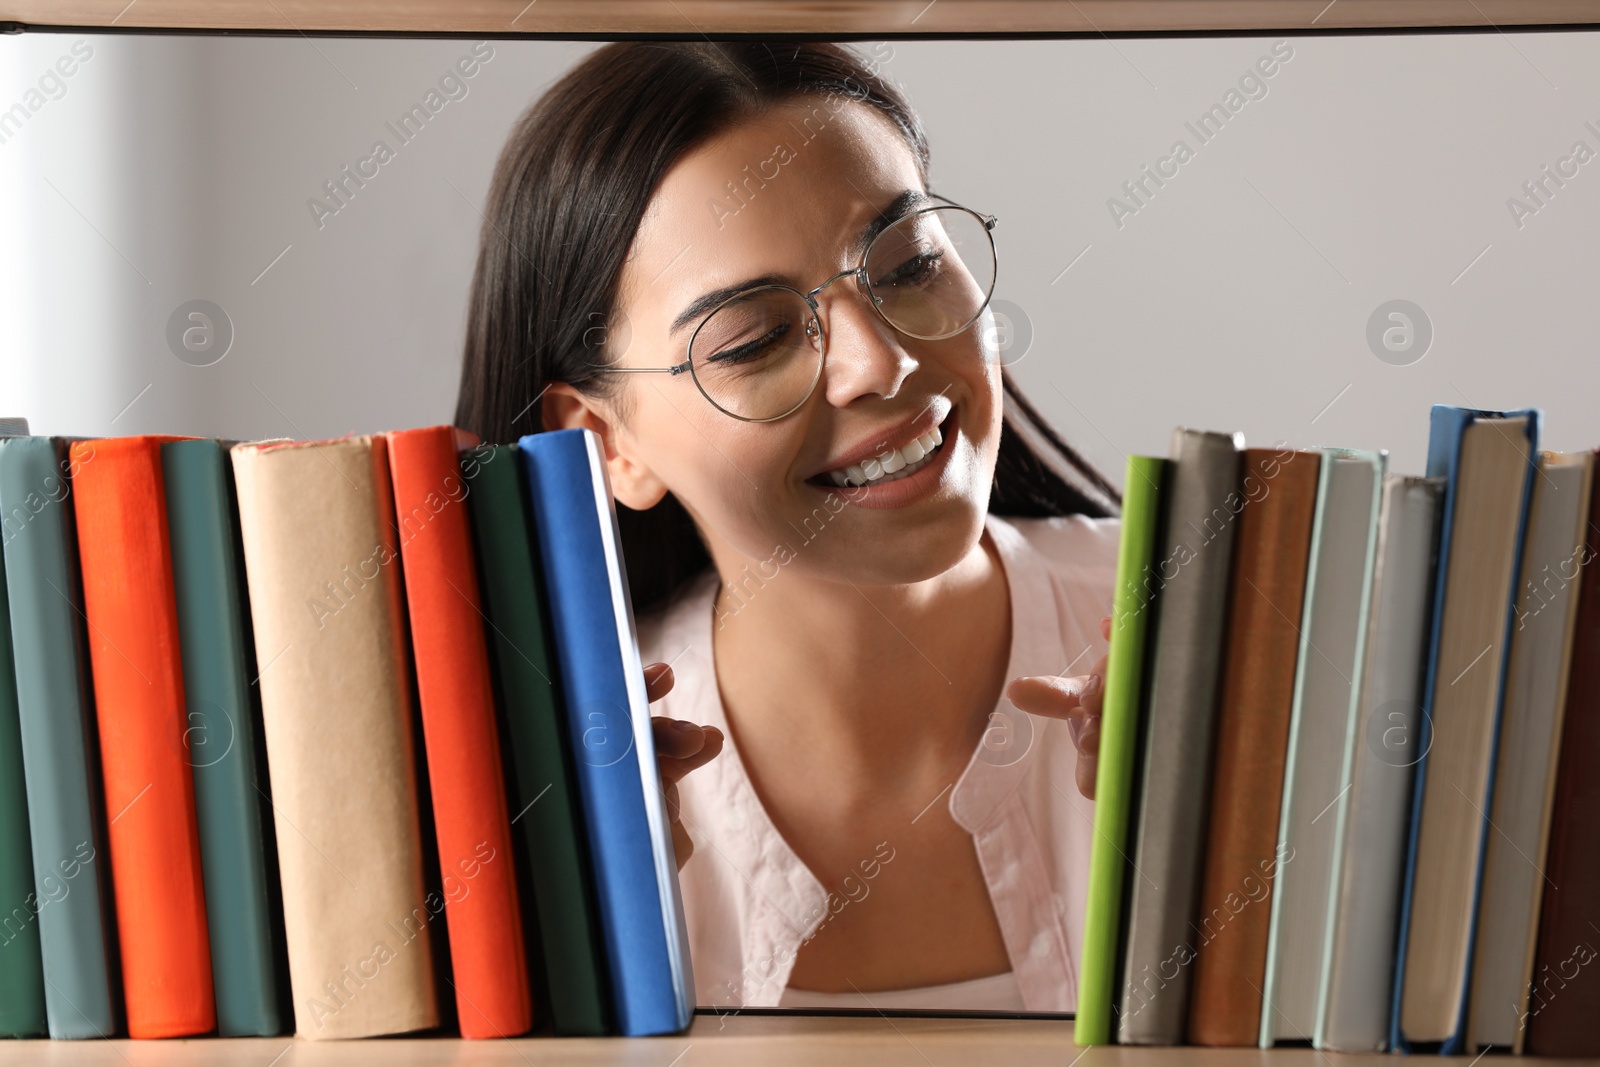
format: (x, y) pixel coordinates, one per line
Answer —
(1488, 460)
(71, 879)
(608, 718)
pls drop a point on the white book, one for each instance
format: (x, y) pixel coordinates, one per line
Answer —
(1530, 733)
(1316, 772)
(1353, 1008)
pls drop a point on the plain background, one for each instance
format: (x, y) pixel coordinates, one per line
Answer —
(1378, 167)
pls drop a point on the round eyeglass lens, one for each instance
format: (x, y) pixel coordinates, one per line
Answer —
(758, 355)
(932, 272)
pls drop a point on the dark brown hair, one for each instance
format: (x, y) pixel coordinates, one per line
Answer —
(568, 192)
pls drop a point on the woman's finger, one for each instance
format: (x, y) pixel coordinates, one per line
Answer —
(1105, 627)
(657, 681)
(682, 747)
(1049, 695)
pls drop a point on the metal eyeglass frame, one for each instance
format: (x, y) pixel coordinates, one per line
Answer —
(863, 285)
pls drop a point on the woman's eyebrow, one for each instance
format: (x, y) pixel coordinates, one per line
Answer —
(903, 202)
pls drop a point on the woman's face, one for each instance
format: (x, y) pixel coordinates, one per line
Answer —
(764, 493)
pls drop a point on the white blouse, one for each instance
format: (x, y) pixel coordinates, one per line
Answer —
(749, 901)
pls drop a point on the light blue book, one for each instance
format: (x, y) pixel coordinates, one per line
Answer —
(608, 720)
(71, 877)
(1317, 767)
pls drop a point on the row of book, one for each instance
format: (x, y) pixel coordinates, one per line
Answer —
(349, 737)
(1346, 790)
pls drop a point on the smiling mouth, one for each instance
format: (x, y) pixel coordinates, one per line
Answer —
(890, 465)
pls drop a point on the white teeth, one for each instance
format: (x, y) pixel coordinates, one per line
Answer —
(892, 465)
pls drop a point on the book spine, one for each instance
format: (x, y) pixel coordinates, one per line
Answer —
(21, 966)
(1197, 547)
(149, 788)
(323, 573)
(560, 921)
(1233, 920)
(1132, 607)
(222, 727)
(56, 718)
(609, 722)
(490, 969)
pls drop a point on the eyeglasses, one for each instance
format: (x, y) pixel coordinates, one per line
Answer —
(757, 356)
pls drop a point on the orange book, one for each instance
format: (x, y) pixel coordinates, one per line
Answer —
(460, 733)
(138, 691)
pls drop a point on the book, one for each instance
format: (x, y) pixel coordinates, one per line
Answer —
(1262, 642)
(1316, 774)
(1133, 604)
(1564, 1002)
(1525, 766)
(1186, 664)
(128, 602)
(21, 965)
(65, 813)
(1353, 998)
(321, 564)
(608, 721)
(561, 922)
(222, 728)
(1487, 458)
(456, 694)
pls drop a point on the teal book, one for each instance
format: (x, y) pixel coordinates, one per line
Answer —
(560, 921)
(221, 728)
(1133, 604)
(62, 772)
(21, 967)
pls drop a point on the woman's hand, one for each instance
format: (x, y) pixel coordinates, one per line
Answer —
(681, 746)
(1075, 700)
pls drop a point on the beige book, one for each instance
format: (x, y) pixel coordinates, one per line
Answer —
(325, 599)
(1473, 629)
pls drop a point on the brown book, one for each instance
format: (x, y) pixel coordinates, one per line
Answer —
(323, 566)
(1564, 1001)
(1263, 637)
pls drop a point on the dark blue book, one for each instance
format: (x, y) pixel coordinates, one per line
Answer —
(59, 754)
(1488, 460)
(608, 717)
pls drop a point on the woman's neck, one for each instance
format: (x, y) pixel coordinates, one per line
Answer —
(862, 683)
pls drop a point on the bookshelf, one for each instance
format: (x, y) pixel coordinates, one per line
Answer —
(845, 17)
(713, 1041)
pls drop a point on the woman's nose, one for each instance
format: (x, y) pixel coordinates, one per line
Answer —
(865, 356)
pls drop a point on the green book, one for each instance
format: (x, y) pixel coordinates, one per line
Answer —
(222, 733)
(1132, 603)
(21, 967)
(50, 656)
(562, 924)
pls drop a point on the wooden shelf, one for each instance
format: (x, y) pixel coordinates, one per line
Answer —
(713, 1041)
(830, 17)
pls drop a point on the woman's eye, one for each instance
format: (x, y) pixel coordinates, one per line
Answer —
(751, 350)
(919, 268)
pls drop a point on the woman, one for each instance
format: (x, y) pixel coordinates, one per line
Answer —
(846, 530)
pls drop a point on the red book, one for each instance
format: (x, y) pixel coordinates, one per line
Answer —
(460, 733)
(138, 691)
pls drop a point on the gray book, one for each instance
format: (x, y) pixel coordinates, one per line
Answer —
(58, 737)
(1316, 775)
(1353, 1005)
(1530, 737)
(1194, 563)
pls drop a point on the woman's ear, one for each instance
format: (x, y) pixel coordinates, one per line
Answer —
(633, 483)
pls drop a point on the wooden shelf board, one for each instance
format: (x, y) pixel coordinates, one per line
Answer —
(842, 17)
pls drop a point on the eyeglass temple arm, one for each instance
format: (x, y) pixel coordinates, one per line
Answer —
(680, 368)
